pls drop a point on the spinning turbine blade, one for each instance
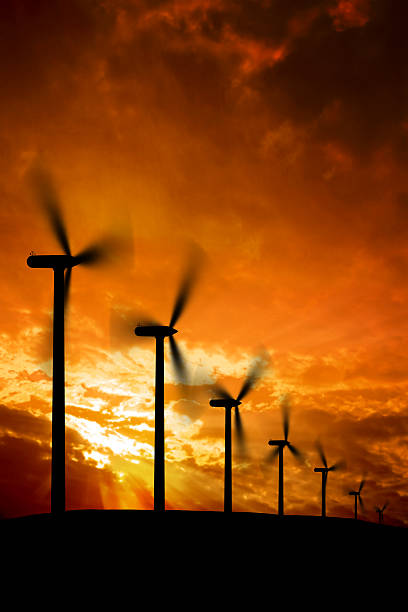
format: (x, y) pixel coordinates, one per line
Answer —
(122, 323)
(286, 417)
(186, 287)
(221, 392)
(361, 502)
(295, 452)
(67, 285)
(239, 432)
(340, 465)
(93, 254)
(255, 372)
(273, 455)
(362, 483)
(47, 194)
(321, 453)
(178, 361)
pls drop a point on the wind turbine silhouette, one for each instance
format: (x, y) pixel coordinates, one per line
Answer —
(357, 495)
(381, 512)
(62, 267)
(225, 400)
(324, 471)
(160, 332)
(278, 451)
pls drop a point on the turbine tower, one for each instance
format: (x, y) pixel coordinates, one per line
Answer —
(62, 267)
(225, 400)
(381, 512)
(278, 451)
(324, 471)
(159, 333)
(357, 495)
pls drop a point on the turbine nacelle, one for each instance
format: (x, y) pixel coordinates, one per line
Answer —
(52, 261)
(225, 403)
(155, 331)
(326, 469)
(278, 443)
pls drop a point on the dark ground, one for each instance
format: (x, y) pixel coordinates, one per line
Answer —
(188, 558)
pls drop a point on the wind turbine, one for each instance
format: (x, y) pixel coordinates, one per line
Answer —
(62, 267)
(225, 400)
(160, 332)
(278, 451)
(324, 471)
(381, 512)
(357, 495)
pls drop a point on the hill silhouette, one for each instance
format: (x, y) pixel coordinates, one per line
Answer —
(247, 531)
(202, 559)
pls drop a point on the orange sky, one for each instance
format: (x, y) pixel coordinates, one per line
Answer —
(272, 134)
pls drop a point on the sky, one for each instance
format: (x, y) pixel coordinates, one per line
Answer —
(271, 135)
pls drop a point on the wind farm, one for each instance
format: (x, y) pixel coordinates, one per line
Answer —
(274, 137)
(62, 267)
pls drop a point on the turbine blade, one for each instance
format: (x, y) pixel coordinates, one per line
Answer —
(273, 455)
(94, 254)
(122, 323)
(296, 452)
(239, 433)
(340, 465)
(361, 502)
(285, 416)
(47, 195)
(219, 391)
(362, 483)
(320, 450)
(67, 285)
(44, 342)
(178, 361)
(255, 371)
(186, 286)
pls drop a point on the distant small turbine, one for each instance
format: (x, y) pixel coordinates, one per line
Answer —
(381, 512)
(278, 451)
(357, 495)
(228, 402)
(324, 471)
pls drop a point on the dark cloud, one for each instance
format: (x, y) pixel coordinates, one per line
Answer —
(362, 70)
(22, 423)
(24, 477)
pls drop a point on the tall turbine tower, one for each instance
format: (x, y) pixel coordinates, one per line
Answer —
(324, 472)
(278, 451)
(225, 400)
(159, 333)
(62, 267)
